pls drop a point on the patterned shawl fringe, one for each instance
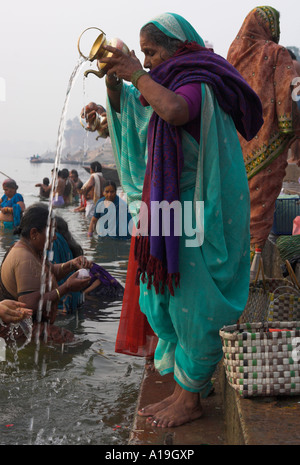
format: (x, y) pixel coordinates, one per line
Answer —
(156, 272)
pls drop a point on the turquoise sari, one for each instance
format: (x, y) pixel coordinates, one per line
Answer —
(214, 259)
(128, 133)
(17, 211)
(62, 254)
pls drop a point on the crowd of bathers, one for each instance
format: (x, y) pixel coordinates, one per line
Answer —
(22, 266)
(91, 198)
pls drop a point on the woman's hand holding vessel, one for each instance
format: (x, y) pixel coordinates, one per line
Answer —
(120, 65)
(75, 284)
(81, 262)
(90, 112)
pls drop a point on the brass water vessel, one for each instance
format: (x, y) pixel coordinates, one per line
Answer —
(98, 51)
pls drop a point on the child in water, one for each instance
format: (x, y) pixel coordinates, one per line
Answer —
(103, 211)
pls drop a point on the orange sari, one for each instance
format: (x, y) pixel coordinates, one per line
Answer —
(269, 70)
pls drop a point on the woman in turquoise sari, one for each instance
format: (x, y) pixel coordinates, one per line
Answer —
(174, 134)
(11, 205)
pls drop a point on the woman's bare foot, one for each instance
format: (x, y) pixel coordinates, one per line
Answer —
(152, 409)
(187, 407)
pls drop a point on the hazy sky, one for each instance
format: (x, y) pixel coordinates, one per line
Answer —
(38, 52)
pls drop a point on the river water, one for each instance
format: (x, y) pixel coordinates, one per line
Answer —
(78, 394)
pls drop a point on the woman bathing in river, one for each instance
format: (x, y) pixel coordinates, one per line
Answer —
(11, 205)
(21, 269)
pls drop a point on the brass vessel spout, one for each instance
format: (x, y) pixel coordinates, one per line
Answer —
(99, 74)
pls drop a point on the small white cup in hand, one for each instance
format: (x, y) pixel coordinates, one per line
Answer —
(83, 274)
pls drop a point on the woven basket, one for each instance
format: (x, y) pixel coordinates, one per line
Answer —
(262, 359)
(273, 299)
(284, 307)
(260, 295)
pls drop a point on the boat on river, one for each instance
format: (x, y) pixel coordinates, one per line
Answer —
(36, 159)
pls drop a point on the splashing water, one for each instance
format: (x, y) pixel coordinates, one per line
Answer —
(50, 230)
(85, 141)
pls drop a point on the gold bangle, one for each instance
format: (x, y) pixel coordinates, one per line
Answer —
(62, 266)
(58, 294)
(136, 76)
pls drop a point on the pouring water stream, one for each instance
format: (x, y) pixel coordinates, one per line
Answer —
(50, 230)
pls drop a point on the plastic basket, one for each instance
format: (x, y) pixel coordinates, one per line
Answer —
(286, 211)
(262, 359)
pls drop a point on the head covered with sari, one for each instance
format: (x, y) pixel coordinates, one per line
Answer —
(192, 62)
(269, 70)
(176, 27)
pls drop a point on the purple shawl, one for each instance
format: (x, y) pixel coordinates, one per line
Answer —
(158, 255)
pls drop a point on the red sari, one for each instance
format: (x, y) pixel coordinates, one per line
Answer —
(135, 336)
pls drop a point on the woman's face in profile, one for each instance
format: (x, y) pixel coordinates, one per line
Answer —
(154, 54)
(38, 238)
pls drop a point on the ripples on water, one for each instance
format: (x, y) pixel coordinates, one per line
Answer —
(81, 393)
